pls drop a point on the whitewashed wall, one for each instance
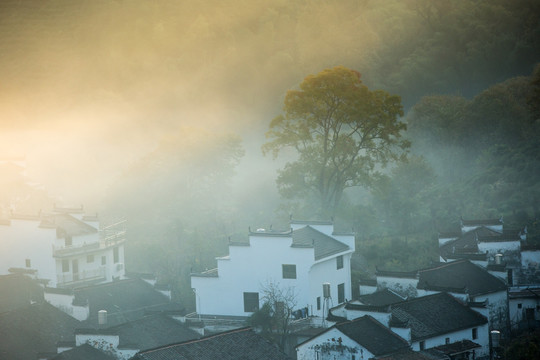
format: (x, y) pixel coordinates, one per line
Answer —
(331, 349)
(497, 247)
(23, 239)
(402, 286)
(465, 334)
(64, 302)
(252, 268)
(497, 304)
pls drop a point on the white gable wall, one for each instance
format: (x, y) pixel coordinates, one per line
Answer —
(24, 239)
(465, 334)
(250, 269)
(332, 349)
(496, 247)
(326, 272)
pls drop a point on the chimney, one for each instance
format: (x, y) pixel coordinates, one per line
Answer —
(102, 317)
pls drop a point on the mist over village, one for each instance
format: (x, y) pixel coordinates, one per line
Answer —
(253, 179)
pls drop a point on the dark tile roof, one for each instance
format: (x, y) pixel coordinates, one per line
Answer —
(397, 274)
(457, 347)
(372, 335)
(380, 298)
(409, 355)
(324, 245)
(461, 274)
(124, 300)
(17, 290)
(467, 243)
(83, 352)
(435, 315)
(479, 222)
(243, 344)
(34, 329)
(67, 225)
(152, 331)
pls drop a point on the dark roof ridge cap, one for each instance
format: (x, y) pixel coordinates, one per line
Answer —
(287, 233)
(443, 265)
(246, 328)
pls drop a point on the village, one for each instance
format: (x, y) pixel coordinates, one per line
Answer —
(252, 179)
(63, 283)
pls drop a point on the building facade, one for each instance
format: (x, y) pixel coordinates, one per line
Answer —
(298, 262)
(64, 248)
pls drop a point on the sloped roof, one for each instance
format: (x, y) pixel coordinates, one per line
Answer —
(152, 331)
(68, 225)
(434, 315)
(323, 244)
(83, 352)
(479, 222)
(242, 344)
(17, 290)
(34, 329)
(372, 335)
(411, 355)
(124, 300)
(457, 347)
(380, 298)
(460, 275)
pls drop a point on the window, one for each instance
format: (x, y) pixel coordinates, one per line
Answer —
(519, 306)
(65, 265)
(339, 262)
(103, 260)
(475, 333)
(115, 255)
(447, 341)
(318, 303)
(251, 301)
(289, 271)
(422, 345)
(90, 258)
(28, 263)
(69, 241)
(341, 293)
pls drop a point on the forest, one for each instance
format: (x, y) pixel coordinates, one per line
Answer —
(163, 107)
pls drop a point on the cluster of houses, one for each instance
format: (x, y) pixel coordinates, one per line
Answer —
(63, 284)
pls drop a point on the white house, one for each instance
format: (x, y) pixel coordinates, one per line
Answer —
(62, 249)
(300, 260)
(362, 338)
(425, 322)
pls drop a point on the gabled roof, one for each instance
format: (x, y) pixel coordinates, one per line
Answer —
(380, 298)
(33, 329)
(242, 344)
(124, 300)
(324, 245)
(371, 334)
(17, 290)
(434, 315)
(150, 331)
(460, 275)
(67, 225)
(83, 352)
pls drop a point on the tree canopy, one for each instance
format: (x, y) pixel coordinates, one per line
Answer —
(341, 132)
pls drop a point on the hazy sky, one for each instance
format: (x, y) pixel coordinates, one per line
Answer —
(89, 87)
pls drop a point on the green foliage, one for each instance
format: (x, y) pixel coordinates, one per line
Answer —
(340, 130)
(525, 347)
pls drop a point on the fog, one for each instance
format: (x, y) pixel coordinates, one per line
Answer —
(89, 89)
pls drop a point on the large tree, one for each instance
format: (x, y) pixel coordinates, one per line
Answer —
(341, 132)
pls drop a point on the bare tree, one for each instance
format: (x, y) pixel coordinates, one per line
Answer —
(275, 315)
